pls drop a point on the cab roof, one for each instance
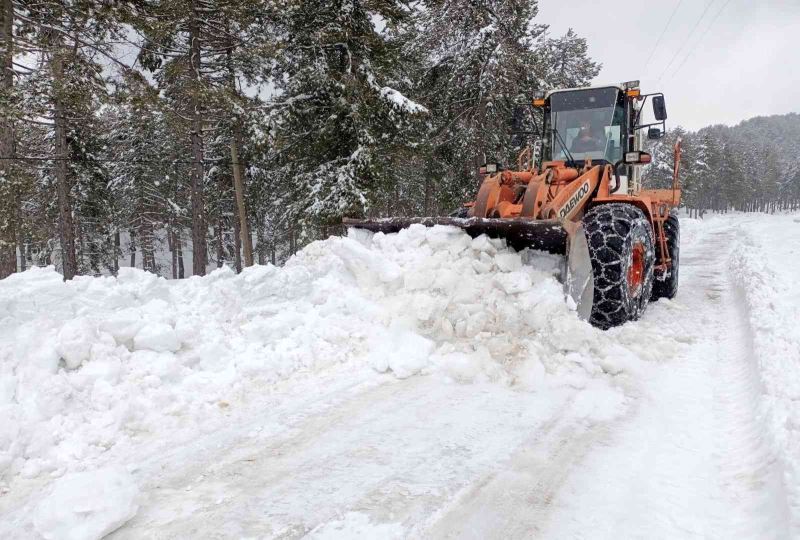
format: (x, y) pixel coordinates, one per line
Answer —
(598, 87)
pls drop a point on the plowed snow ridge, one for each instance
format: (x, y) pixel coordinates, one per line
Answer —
(414, 385)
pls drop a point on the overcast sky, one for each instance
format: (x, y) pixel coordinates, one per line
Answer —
(742, 63)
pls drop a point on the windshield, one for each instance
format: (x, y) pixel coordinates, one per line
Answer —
(589, 124)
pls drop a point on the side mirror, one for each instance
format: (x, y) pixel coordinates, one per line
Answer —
(637, 158)
(659, 108)
(654, 134)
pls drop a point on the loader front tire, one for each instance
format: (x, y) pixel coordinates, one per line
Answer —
(665, 284)
(620, 241)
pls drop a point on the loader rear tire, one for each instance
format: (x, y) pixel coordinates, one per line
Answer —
(620, 241)
(665, 284)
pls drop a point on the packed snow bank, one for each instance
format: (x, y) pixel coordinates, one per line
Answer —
(97, 364)
(87, 505)
(764, 265)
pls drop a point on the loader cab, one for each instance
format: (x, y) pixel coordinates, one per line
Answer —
(597, 123)
(585, 124)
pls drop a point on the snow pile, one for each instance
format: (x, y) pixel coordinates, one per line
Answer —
(97, 365)
(87, 506)
(767, 284)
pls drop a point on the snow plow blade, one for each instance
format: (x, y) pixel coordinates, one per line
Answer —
(545, 235)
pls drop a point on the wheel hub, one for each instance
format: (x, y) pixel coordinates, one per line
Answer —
(636, 271)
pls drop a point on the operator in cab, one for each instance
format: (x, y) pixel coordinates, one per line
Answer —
(589, 139)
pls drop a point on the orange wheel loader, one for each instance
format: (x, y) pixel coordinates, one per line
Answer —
(582, 198)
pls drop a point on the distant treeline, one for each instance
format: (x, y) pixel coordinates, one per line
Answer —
(750, 167)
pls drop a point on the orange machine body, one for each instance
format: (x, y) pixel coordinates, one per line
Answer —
(562, 193)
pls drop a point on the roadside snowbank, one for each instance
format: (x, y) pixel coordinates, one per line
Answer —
(764, 265)
(102, 363)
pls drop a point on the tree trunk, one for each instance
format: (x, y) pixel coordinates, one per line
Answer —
(199, 248)
(66, 226)
(261, 245)
(146, 244)
(117, 252)
(23, 258)
(238, 188)
(173, 250)
(132, 248)
(220, 245)
(237, 246)
(80, 249)
(8, 193)
(238, 176)
(181, 268)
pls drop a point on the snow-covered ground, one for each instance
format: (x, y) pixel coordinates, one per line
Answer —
(414, 385)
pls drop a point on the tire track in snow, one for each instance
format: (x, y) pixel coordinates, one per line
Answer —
(696, 461)
(750, 472)
(514, 502)
(380, 453)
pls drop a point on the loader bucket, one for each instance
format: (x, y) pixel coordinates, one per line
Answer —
(545, 235)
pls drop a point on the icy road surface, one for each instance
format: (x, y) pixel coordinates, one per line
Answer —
(419, 385)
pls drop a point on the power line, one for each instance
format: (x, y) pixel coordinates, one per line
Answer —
(688, 38)
(663, 32)
(702, 37)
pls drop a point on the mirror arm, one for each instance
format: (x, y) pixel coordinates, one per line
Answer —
(636, 126)
(639, 114)
(662, 124)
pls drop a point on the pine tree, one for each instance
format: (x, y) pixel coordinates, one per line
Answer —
(145, 176)
(196, 50)
(477, 74)
(68, 40)
(344, 110)
(659, 173)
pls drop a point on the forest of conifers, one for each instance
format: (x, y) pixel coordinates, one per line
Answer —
(149, 133)
(749, 167)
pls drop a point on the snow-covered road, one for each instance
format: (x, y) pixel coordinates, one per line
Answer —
(696, 460)
(401, 387)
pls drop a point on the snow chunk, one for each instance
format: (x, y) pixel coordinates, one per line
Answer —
(87, 505)
(158, 337)
(482, 243)
(514, 282)
(508, 262)
(403, 352)
(123, 325)
(75, 342)
(467, 367)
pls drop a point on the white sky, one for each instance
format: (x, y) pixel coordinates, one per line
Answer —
(743, 63)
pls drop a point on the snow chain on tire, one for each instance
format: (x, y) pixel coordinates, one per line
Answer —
(665, 284)
(620, 241)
